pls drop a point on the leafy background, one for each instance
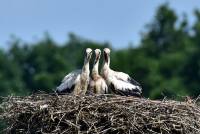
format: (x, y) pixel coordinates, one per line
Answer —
(166, 62)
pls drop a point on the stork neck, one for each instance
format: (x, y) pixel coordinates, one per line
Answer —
(95, 70)
(105, 67)
(106, 64)
(105, 70)
(86, 67)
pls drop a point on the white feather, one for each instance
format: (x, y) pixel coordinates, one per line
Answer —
(104, 86)
(122, 85)
(121, 82)
(123, 78)
(69, 80)
(121, 75)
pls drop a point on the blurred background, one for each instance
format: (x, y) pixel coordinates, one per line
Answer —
(155, 42)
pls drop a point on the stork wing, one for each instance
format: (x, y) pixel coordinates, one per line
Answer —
(69, 82)
(126, 78)
(123, 84)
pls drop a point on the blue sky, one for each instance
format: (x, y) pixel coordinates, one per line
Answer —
(118, 21)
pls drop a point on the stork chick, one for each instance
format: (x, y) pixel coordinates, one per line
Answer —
(77, 81)
(98, 84)
(119, 82)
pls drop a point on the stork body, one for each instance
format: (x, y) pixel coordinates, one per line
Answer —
(77, 81)
(118, 82)
(97, 84)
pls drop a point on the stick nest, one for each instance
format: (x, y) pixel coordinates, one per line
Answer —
(43, 113)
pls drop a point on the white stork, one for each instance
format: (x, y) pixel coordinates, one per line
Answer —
(77, 81)
(119, 82)
(97, 84)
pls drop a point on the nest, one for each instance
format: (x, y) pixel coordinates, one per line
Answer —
(43, 113)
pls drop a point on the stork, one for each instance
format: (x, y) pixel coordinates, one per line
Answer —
(77, 81)
(97, 84)
(118, 82)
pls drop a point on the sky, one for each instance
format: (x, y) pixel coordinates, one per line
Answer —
(119, 22)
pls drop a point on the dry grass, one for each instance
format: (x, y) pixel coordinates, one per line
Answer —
(43, 113)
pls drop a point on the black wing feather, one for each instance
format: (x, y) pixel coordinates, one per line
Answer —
(66, 91)
(134, 82)
(125, 92)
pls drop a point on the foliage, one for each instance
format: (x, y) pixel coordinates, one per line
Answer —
(166, 62)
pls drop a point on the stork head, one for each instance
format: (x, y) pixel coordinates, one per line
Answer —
(106, 52)
(97, 55)
(88, 55)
